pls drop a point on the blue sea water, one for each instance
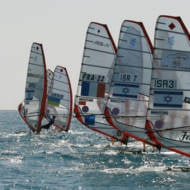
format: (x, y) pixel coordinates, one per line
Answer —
(81, 160)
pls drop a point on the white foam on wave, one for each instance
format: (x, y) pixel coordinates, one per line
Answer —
(17, 160)
(10, 159)
(132, 170)
(111, 152)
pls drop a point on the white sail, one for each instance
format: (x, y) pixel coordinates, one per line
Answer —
(94, 81)
(59, 99)
(169, 108)
(130, 85)
(32, 109)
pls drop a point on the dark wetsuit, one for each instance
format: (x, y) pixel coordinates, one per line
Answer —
(48, 125)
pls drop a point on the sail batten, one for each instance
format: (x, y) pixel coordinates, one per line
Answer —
(97, 66)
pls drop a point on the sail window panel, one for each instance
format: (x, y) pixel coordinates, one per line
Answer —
(131, 35)
(125, 90)
(95, 74)
(134, 43)
(35, 70)
(129, 58)
(33, 90)
(131, 121)
(147, 61)
(172, 119)
(127, 75)
(96, 106)
(97, 59)
(59, 87)
(36, 59)
(99, 44)
(36, 49)
(128, 109)
(171, 40)
(53, 100)
(146, 76)
(144, 90)
(176, 60)
(173, 90)
(90, 119)
(168, 99)
(94, 89)
(29, 93)
(58, 76)
(133, 48)
(183, 79)
(164, 79)
(49, 80)
(66, 103)
(169, 24)
(97, 29)
(134, 59)
(34, 83)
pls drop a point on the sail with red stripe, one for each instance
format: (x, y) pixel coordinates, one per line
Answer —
(95, 75)
(169, 108)
(32, 108)
(130, 84)
(59, 99)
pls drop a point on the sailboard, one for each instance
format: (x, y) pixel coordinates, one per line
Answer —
(95, 75)
(127, 105)
(59, 99)
(169, 107)
(32, 108)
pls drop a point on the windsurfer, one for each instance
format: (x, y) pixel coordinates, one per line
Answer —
(48, 125)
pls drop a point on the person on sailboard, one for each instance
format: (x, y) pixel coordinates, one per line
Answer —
(48, 125)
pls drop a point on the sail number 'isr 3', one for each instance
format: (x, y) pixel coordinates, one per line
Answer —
(159, 83)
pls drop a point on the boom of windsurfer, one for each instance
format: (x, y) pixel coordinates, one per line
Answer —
(47, 126)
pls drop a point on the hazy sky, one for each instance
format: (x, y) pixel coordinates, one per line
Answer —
(60, 25)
